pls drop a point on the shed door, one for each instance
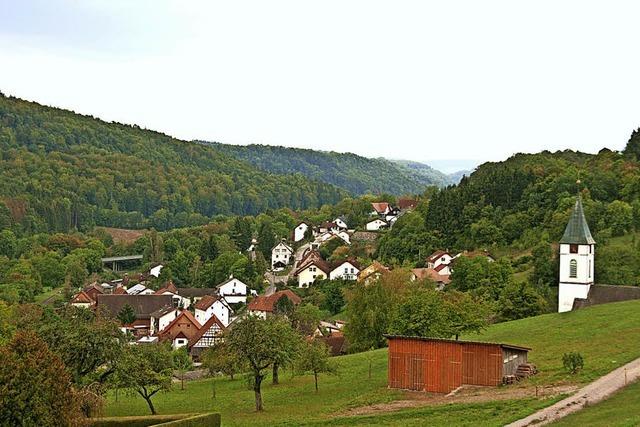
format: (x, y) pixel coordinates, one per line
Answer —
(416, 372)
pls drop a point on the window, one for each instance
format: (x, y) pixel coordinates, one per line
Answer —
(573, 249)
(573, 269)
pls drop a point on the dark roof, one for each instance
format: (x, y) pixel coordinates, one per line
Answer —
(577, 230)
(143, 305)
(405, 337)
(407, 203)
(352, 261)
(434, 256)
(196, 292)
(206, 302)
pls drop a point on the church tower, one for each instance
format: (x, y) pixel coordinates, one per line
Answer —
(577, 250)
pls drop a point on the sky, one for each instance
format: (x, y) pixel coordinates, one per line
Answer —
(449, 82)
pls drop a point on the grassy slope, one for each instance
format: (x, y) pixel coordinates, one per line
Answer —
(606, 335)
(621, 410)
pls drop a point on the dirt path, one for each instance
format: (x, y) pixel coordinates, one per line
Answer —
(594, 392)
(466, 394)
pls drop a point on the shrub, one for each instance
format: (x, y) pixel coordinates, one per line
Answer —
(572, 362)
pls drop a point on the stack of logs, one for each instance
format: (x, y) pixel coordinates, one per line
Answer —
(525, 370)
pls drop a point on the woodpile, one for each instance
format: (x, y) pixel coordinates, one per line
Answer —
(525, 370)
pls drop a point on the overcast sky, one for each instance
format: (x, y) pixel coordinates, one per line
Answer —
(419, 80)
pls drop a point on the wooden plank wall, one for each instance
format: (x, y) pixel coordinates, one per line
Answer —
(482, 364)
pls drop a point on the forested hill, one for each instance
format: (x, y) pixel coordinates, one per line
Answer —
(356, 174)
(60, 170)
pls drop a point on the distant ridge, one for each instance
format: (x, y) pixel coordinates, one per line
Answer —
(355, 174)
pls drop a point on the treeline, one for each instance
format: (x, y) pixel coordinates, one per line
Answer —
(524, 203)
(356, 174)
(61, 171)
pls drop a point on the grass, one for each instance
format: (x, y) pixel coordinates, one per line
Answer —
(620, 410)
(606, 335)
(48, 293)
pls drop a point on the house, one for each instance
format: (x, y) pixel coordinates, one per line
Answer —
(144, 306)
(281, 255)
(345, 270)
(438, 258)
(576, 253)
(336, 343)
(119, 290)
(443, 269)
(380, 208)
(82, 300)
(405, 204)
(441, 280)
(376, 224)
(441, 366)
(341, 223)
(372, 272)
(213, 306)
(208, 335)
(263, 306)
(183, 328)
(234, 291)
(161, 318)
(155, 270)
(196, 294)
(314, 268)
(93, 290)
(330, 235)
(178, 300)
(300, 231)
(140, 289)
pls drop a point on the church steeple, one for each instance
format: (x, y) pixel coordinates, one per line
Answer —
(577, 231)
(577, 255)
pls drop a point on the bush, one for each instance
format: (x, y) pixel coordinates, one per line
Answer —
(572, 362)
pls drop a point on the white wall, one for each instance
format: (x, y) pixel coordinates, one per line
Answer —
(375, 225)
(280, 253)
(344, 271)
(234, 291)
(585, 263)
(298, 233)
(309, 275)
(568, 292)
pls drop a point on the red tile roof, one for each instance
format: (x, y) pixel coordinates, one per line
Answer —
(424, 273)
(205, 302)
(407, 203)
(380, 207)
(82, 298)
(119, 291)
(436, 255)
(183, 314)
(441, 267)
(267, 303)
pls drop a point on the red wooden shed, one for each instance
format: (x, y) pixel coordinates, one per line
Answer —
(440, 366)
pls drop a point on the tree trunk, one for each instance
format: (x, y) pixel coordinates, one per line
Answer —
(148, 399)
(182, 381)
(275, 373)
(315, 377)
(256, 389)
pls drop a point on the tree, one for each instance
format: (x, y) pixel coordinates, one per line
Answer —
(241, 233)
(220, 358)
(314, 358)
(266, 239)
(283, 306)
(465, 313)
(619, 217)
(76, 272)
(35, 388)
(422, 313)
(520, 300)
(305, 318)
(127, 315)
(262, 343)
(181, 363)
(8, 243)
(369, 313)
(146, 370)
(209, 249)
(545, 265)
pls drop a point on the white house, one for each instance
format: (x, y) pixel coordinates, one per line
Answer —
(577, 255)
(439, 258)
(178, 301)
(155, 271)
(209, 306)
(233, 291)
(280, 256)
(380, 208)
(160, 319)
(345, 270)
(375, 225)
(312, 270)
(341, 222)
(300, 231)
(140, 289)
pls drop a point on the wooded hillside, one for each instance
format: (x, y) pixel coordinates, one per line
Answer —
(356, 174)
(60, 170)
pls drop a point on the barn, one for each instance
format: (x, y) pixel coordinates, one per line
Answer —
(440, 365)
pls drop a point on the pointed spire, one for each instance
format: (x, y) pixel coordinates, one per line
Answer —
(577, 231)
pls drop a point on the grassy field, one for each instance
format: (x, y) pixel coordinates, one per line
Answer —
(606, 335)
(620, 410)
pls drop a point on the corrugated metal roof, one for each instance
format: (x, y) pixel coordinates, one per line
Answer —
(408, 337)
(577, 231)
